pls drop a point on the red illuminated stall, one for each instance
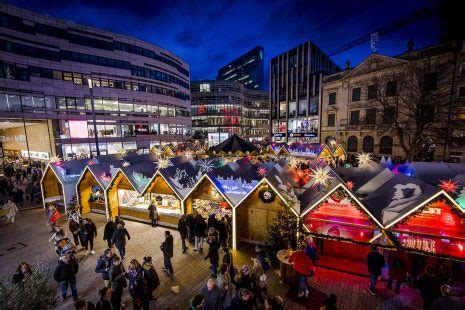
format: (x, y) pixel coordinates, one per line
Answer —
(437, 228)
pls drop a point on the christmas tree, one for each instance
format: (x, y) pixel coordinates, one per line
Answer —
(282, 233)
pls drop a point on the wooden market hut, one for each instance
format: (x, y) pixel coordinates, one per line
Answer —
(58, 183)
(123, 194)
(283, 151)
(92, 184)
(168, 152)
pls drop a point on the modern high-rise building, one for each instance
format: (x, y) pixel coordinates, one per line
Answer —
(247, 69)
(140, 91)
(222, 108)
(295, 82)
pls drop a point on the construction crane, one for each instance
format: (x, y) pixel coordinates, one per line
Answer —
(399, 23)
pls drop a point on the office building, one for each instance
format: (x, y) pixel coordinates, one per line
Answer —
(295, 81)
(359, 104)
(247, 69)
(140, 91)
(222, 108)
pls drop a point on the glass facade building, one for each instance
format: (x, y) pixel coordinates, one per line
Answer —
(222, 108)
(295, 83)
(247, 69)
(141, 92)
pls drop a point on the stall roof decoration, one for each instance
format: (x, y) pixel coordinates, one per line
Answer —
(397, 197)
(269, 150)
(432, 173)
(459, 195)
(104, 171)
(168, 152)
(68, 171)
(305, 149)
(234, 145)
(340, 152)
(282, 182)
(359, 176)
(236, 180)
(139, 175)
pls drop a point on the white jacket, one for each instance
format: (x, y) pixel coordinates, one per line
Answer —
(11, 208)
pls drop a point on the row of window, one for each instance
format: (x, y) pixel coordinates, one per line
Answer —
(16, 23)
(23, 73)
(368, 144)
(15, 103)
(389, 115)
(36, 52)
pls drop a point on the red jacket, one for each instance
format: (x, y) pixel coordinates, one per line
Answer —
(302, 263)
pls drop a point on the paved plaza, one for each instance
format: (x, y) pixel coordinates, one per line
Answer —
(28, 240)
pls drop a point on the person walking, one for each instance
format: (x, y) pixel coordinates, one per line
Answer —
(90, 232)
(375, 262)
(223, 232)
(243, 300)
(11, 210)
(104, 264)
(118, 282)
(244, 280)
(108, 231)
(447, 301)
(66, 272)
(398, 266)
(212, 296)
(225, 286)
(429, 287)
(104, 302)
(74, 228)
(150, 276)
(228, 260)
(183, 231)
(136, 285)
(196, 302)
(190, 222)
(167, 249)
(119, 239)
(303, 266)
(56, 237)
(199, 233)
(153, 214)
(213, 247)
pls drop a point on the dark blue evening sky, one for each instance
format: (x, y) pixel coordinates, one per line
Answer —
(208, 34)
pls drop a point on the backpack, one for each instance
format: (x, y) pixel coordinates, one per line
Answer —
(57, 274)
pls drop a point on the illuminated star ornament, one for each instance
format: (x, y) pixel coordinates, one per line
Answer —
(320, 176)
(448, 186)
(261, 171)
(126, 164)
(157, 152)
(206, 165)
(54, 159)
(350, 185)
(122, 152)
(189, 154)
(163, 163)
(364, 159)
(293, 163)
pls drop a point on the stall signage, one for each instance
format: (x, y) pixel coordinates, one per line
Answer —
(422, 244)
(302, 134)
(279, 134)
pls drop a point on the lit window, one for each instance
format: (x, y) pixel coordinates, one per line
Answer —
(205, 87)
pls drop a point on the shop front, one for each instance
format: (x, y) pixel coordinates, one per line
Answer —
(343, 229)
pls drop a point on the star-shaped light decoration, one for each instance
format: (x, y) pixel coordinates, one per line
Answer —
(293, 163)
(122, 152)
(54, 159)
(320, 176)
(189, 154)
(448, 186)
(206, 165)
(364, 159)
(350, 185)
(126, 164)
(157, 152)
(163, 163)
(261, 171)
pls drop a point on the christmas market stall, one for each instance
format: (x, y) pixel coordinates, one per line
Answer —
(93, 182)
(343, 227)
(363, 180)
(419, 218)
(124, 191)
(258, 206)
(58, 183)
(234, 146)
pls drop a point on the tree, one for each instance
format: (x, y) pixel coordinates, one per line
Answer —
(34, 293)
(412, 102)
(282, 233)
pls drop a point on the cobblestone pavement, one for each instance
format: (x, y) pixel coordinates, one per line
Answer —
(28, 240)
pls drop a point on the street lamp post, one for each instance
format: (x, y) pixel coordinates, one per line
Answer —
(89, 82)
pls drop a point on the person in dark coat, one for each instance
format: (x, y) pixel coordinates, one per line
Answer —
(429, 287)
(108, 231)
(228, 260)
(104, 264)
(213, 248)
(89, 233)
(398, 266)
(190, 222)
(447, 301)
(244, 280)
(183, 230)
(199, 233)
(375, 262)
(212, 221)
(243, 300)
(118, 282)
(223, 233)
(150, 276)
(153, 214)
(104, 302)
(74, 228)
(119, 239)
(23, 271)
(68, 267)
(18, 196)
(167, 249)
(212, 296)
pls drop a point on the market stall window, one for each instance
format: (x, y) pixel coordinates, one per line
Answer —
(132, 199)
(166, 204)
(207, 207)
